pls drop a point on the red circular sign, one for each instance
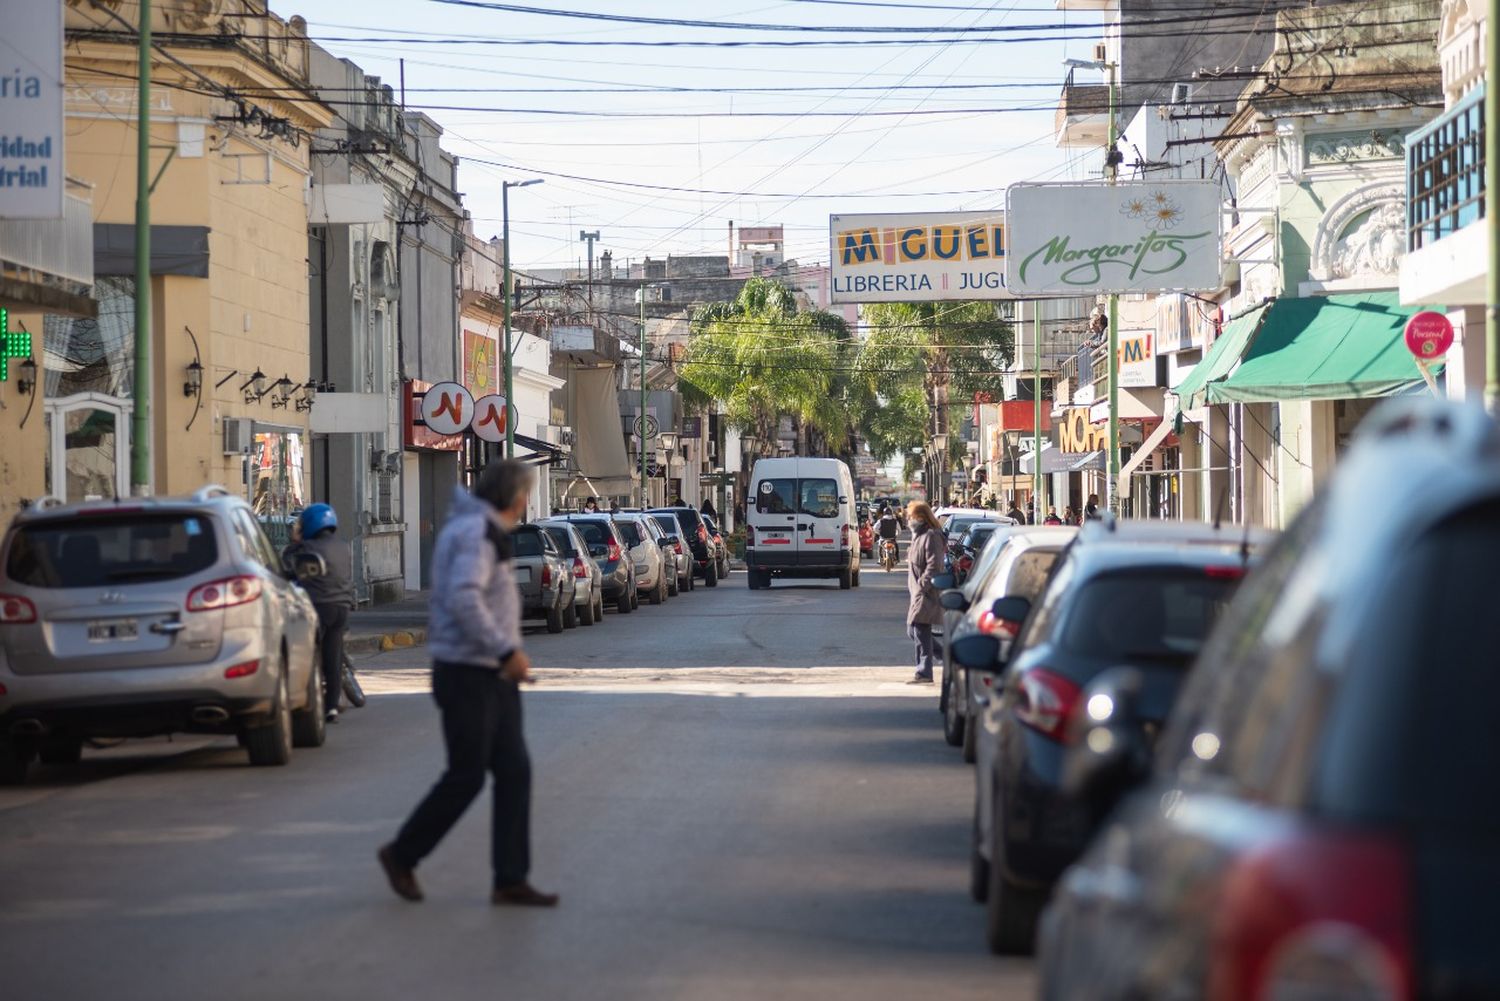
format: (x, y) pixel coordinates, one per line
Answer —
(1429, 335)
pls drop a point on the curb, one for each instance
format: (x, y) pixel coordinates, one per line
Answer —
(385, 642)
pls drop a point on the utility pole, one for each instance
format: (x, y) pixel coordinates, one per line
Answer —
(641, 423)
(1492, 217)
(590, 238)
(1036, 392)
(1111, 170)
(140, 417)
(510, 366)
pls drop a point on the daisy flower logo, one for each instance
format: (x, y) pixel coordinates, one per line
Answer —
(1164, 212)
(1135, 208)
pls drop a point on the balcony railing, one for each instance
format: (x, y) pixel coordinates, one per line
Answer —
(1445, 173)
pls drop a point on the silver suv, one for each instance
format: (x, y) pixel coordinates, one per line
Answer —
(142, 617)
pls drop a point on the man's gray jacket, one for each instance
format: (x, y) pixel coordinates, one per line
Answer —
(474, 612)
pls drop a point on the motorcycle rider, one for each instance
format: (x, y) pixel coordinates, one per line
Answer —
(886, 528)
(332, 594)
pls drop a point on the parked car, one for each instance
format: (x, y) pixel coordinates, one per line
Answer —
(654, 569)
(1320, 817)
(148, 616)
(671, 538)
(947, 515)
(588, 581)
(801, 521)
(694, 536)
(1137, 594)
(1014, 564)
(964, 549)
(719, 545)
(608, 549)
(543, 575)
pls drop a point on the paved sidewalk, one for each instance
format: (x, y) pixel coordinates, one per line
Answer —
(390, 626)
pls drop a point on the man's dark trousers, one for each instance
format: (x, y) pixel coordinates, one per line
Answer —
(482, 730)
(334, 621)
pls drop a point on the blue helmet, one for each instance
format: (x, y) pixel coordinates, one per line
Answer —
(317, 518)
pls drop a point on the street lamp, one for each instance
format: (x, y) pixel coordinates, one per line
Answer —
(510, 395)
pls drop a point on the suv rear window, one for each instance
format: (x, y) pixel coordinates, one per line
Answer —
(630, 531)
(107, 550)
(526, 542)
(668, 523)
(562, 538)
(595, 533)
(1155, 613)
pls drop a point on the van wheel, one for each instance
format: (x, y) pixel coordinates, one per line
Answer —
(846, 579)
(309, 728)
(271, 744)
(587, 615)
(711, 574)
(555, 619)
(15, 759)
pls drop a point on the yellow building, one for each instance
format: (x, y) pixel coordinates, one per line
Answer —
(229, 287)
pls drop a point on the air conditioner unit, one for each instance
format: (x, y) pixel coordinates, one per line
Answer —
(1182, 93)
(1101, 52)
(237, 438)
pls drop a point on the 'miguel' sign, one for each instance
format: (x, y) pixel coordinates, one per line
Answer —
(918, 256)
(1078, 239)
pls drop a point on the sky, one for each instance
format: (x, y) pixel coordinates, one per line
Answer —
(940, 125)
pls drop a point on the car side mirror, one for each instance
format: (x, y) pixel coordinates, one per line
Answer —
(978, 653)
(304, 566)
(1109, 754)
(944, 581)
(953, 600)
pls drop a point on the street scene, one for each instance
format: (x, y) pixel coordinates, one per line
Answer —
(837, 499)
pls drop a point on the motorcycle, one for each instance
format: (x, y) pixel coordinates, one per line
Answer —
(888, 554)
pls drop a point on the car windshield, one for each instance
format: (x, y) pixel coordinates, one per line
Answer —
(1148, 613)
(108, 550)
(630, 532)
(526, 542)
(562, 538)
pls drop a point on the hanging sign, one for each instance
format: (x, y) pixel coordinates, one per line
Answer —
(918, 256)
(31, 111)
(490, 417)
(447, 408)
(1429, 335)
(1077, 239)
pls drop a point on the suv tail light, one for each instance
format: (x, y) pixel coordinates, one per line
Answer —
(613, 553)
(678, 546)
(579, 569)
(226, 593)
(244, 670)
(546, 574)
(1048, 701)
(1224, 573)
(16, 610)
(1315, 915)
(702, 534)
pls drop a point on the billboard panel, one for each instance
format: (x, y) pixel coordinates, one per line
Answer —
(1148, 236)
(31, 110)
(918, 256)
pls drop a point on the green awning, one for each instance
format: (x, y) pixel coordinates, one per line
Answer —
(1334, 347)
(1221, 358)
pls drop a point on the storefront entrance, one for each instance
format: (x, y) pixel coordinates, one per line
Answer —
(88, 450)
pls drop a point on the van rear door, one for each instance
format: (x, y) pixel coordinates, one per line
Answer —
(820, 516)
(775, 519)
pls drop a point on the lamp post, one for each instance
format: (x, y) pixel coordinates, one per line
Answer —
(510, 395)
(940, 466)
(640, 298)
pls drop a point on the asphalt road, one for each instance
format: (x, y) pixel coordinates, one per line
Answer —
(736, 796)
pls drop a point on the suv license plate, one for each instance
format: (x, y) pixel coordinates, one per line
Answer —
(523, 575)
(106, 630)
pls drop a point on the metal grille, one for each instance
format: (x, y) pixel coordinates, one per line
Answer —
(1445, 173)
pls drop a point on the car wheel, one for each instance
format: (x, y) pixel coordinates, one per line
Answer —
(979, 866)
(711, 574)
(691, 583)
(846, 579)
(599, 606)
(635, 597)
(1011, 911)
(587, 615)
(856, 577)
(15, 759)
(570, 615)
(672, 587)
(623, 605)
(970, 735)
(555, 619)
(60, 750)
(953, 717)
(271, 743)
(309, 728)
(659, 592)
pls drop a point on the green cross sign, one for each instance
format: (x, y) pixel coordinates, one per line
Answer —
(13, 344)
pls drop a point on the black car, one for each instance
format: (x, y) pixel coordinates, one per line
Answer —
(694, 535)
(964, 549)
(1138, 594)
(611, 554)
(1322, 818)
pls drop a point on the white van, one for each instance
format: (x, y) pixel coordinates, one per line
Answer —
(799, 521)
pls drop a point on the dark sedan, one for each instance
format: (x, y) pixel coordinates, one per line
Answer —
(611, 554)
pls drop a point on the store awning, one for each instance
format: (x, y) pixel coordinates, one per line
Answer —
(1334, 347)
(1055, 461)
(543, 453)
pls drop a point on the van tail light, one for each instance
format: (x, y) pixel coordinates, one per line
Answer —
(244, 670)
(749, 536)
(1315, 915)
(1048, 701)
(843, 536)
(613, 553)
(16, 610)
(226, 593)
(579, 569)
(546, 574)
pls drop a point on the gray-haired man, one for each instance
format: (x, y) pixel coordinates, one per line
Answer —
(474, 634)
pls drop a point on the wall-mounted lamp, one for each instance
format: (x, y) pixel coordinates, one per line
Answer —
(27, 382)
(193, 384)
(258, 382)
(282, 390)
(305, 401)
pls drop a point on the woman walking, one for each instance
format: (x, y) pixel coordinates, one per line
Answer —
(925, 561)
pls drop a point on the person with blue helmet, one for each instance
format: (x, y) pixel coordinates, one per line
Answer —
(332, 594)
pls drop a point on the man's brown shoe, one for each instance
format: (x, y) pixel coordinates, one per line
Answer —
(523, 895)
(403, 880)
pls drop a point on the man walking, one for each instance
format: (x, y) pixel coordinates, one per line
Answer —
(478, 665)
